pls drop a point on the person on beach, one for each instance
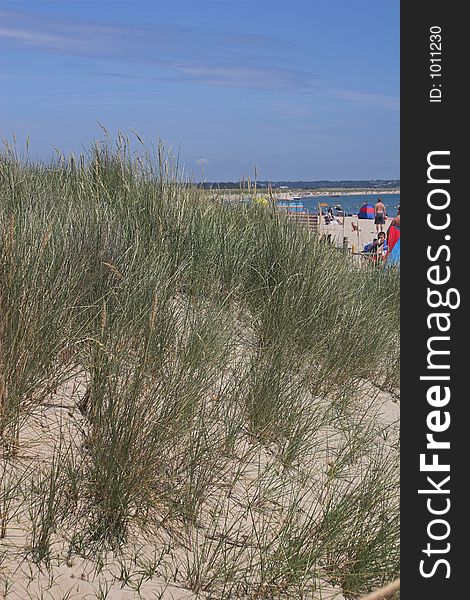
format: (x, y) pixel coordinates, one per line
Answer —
(378, 247)
(396, 220)
(369, 248)
(381, 248)
(380, 215)
(330, 218)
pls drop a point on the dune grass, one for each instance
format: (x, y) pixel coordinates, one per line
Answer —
(206, 366)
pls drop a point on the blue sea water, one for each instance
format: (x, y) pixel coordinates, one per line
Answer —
(351, 204)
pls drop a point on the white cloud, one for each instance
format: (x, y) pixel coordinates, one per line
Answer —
(167, 51)
(367, 98)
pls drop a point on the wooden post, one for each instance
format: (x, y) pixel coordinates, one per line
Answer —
(345, 245)
(384, 592)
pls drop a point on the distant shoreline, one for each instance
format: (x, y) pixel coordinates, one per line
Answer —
(346, 193)
(286, 195)
(303, 194)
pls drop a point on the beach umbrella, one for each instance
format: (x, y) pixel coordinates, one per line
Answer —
(366, 211)
(393, 259)
(393, 236)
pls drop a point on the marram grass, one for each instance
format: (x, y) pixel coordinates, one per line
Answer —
(215, 363)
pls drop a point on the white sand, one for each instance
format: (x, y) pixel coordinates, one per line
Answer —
(356, 239)
(77, 578)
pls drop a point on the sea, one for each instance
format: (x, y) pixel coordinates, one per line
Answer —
(350, 204)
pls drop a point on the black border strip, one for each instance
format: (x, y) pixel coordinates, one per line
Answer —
(432, 121)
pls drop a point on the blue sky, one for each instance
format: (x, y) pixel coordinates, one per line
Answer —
(301, 89)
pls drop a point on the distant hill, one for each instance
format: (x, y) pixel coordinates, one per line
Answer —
(381, 184)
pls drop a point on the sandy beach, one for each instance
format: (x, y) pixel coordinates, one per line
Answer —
(199, 337)
(134, 572)
(195, 400)
(359, 232)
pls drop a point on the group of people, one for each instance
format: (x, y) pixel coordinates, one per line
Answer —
(384, 242)
(329, 217)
